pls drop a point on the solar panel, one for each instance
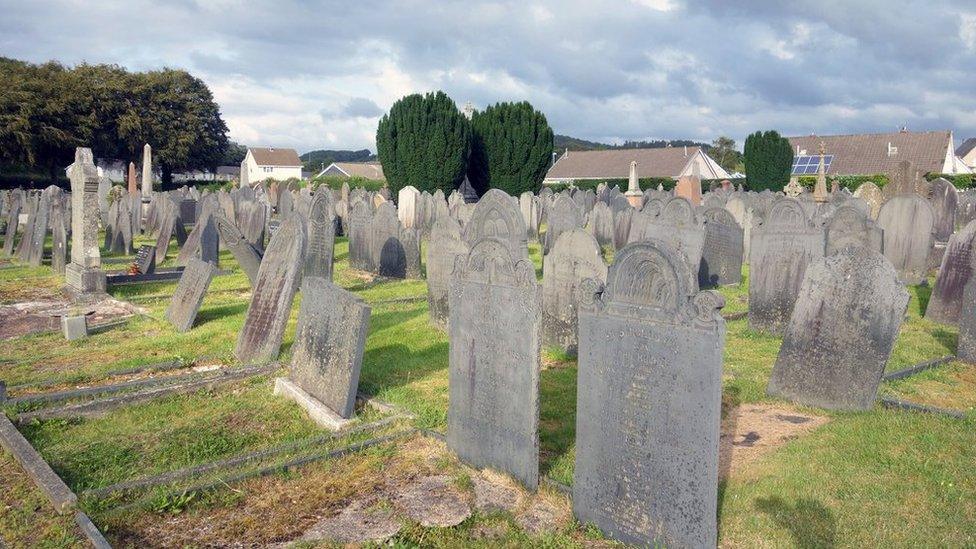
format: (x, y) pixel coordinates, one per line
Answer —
(807, 164)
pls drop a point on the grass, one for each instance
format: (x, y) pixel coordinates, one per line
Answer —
(882, 477)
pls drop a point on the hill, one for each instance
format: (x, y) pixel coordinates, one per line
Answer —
(562, 142)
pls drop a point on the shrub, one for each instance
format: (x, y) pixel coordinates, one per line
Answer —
(511, 148)
(768, 161)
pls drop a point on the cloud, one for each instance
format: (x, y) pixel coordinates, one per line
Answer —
(314, 75)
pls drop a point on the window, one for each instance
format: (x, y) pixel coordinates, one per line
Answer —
(268, 169)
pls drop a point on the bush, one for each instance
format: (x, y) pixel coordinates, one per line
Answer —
(959, 180)
(511, 148)
(336, 181)
(31, 181)
(849, 182)
(768, 161)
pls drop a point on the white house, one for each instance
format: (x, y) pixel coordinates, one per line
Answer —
(261, 164)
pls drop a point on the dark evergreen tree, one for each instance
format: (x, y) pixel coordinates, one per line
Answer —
(768, 161)
(511, 148)
(424, 141)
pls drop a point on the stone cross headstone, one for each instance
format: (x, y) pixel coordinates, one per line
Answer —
(321, 235)
(841, 332)
(849, 227)
(274, 289)
(575, 258)
(494, 327)
(445, 247)
(497, 215)
(782, 247)
(721, 260)
(955, 271)
(84, 275)
(648, 402)
(189, 293)
(247, 257)
(329, 342)
(908, 222)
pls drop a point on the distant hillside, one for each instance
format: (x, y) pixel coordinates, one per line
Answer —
(315, 160)
(563, 142)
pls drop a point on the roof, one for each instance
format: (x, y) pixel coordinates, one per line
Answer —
(369, 170)
(966, 147)
(615, 163)
(865, 154)
(275, 157)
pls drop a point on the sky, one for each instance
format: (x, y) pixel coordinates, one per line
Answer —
(318, 75)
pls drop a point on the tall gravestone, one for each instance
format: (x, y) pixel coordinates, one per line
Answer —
(407, 206)
(600, 223)
(388, 252)
(445, 247)
(944, 199)
(13, 221)
(329, 342)
(648, 404)
(146, 188)
(575, 258)
(841, 332)
(167, 215)
(966, 347)
(721, 259)
(497, 215)
(271, 298)
(360, 238)
(59, 235)
(321, 235)
(954, 273)
(850, 227)
(84, 275)
(908, 222)
(678, 225)
(564, 215)
(189, 293)
(782, 247)
(494, 327)
(35, 249)
(233, 239)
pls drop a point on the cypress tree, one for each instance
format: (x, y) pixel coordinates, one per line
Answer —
(424, 141)
(768, 160)
(511, 148)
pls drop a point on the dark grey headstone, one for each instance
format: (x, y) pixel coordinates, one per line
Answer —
(360, 239)
(166, 212)
(329, 341)
(649, 398)
(13, 221)
(841, 333)
(233, 239)
(944, 199)
(388, 253)
(721, 261)
(497, 215)
(189, 293)
(145, 261)
(444, 248)
(321, 235)
(849, 227)
(966, 348)
(908, 222)
(35, 251)
(202, 243)
(574, 258)
(274, 289)
(782, 247)
(955, 272)
(493, 417)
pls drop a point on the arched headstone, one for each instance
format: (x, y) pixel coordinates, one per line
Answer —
(575, 257)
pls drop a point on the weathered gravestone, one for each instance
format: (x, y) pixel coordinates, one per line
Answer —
(870, 193)
(954, 273)
(600, 224)
(444, 249)
(329, 341)
(233, 239)
(167, 215)
(841, 333)
(189, 293)
(648, 402)
(274, 289)
(360, 237)
(59, 235)
(30, 209)
(13, 221)
(564, 215)
(622, 220)
(497, 215)
(575, 258)
(966, 348)
(321, 235)
(782, 247)
(203, 243)
(850, 227)
(678, 226)
(407, 199)
(84, 276)
(145, 261)
(908, 223)
(721, 259)
(35, 249)
(944, 200)
(388, 249)
(494, 328)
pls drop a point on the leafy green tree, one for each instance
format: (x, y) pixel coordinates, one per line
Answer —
(511, 148)
(723, 152)
(424, 141)
(768, 160)
(234, 154)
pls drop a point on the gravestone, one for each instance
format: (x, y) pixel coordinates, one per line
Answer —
(622, 221)
(274, 289)
(233, 239)
(955, 272)
(689, 188)
(360, 236)
(850, 227)
(782, 247)
(600, 224)
(677, 225)
(59, 235)
(648, 404)
(189, 293)
(966, 347)
(329, 342)
(167, 224)
(944, 200)
(84, 276)
(145, 262)
(575, 258)
(564, 215)
(493, 416)
(841, 332)
(321, 235)
(527, 207)
(908, 223)
(407, 199)
(388, 253)
(721, 259)
(497, 215)
(445, 247)
(13, 221)
(35, 250)
(202, 243)
(27, 237)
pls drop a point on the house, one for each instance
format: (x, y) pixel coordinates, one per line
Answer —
(869, 154)
(228, 173)
(368, 170)
(673, 162)
(967, 152)
(261, 164)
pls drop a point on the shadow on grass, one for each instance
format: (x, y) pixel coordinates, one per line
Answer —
(809, 522)
(731, 400)
(923, 293)
(945, 338)
(395, 364)
(557, 415)
(210, 314)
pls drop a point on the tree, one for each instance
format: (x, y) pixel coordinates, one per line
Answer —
(234, 154)
(768, 160)
(723, 151)
(424, 141)
(511, 148)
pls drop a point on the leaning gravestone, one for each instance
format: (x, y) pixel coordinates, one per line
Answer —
(274, 289)
(202, 243)
(442, 252)
(955, 272)
(908, 222)
(497, 215)
(966, 348)
(782, 247)
(329, 342)
(494, 326)
(321, 235)
(649, 402)
(189, 293)
(575, 258)
(850, 227)
(721, 260)
(233, 239)
(167, 225)
(145, 261)
(13, 220)
(841, 333)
